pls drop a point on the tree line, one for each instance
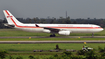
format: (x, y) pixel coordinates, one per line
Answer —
(60, 20)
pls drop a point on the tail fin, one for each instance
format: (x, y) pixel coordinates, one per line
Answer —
(10, 18)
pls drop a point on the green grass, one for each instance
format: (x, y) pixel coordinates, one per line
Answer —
(15, 32)
(27, 56)
(47, 46)
(25, 50)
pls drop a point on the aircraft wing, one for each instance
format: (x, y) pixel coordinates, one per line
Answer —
(51, 29)
(55, 30)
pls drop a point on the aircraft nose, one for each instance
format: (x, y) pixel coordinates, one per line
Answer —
(102, 29)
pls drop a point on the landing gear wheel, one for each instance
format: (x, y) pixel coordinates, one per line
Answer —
(52, 35)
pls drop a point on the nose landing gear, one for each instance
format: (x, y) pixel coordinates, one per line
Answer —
(92, 34)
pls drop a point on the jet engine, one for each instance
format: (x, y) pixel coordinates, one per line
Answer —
(64, 32)
(59, 32)
(46, 31)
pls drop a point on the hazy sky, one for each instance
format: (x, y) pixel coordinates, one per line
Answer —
(54, 8)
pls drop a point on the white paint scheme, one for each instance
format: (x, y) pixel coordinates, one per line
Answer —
(62, 29)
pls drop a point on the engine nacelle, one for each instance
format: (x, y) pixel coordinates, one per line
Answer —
(46, 31)
(64, 32)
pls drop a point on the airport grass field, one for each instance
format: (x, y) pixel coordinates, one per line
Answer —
(46, 46)
(15, 32)
(25, 50)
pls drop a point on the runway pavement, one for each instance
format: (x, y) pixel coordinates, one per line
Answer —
(55, 37)
(34, 42)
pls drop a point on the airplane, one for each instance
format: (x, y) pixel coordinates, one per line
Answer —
(61, 29)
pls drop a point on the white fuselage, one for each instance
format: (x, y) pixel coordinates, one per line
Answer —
(73, 28)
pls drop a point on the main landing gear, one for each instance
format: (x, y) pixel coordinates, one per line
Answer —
(52, 35)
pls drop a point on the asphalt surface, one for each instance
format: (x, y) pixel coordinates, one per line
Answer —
(56, 37)
(34, 42)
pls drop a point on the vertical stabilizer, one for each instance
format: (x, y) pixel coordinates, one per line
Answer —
(10, 18)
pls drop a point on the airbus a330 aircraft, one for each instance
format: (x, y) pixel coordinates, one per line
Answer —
(62, 29)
